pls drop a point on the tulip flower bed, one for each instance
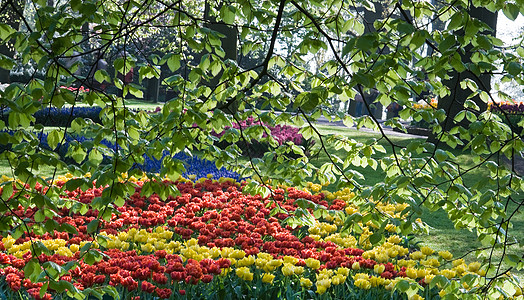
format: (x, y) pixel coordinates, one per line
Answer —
(510, 112)
(214, 242)
(509, 107)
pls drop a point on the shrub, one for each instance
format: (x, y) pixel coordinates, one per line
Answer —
(281, 133)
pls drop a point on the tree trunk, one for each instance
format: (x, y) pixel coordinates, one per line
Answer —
(229, 45)
(11, 17)
(369, 19)
(454, 102)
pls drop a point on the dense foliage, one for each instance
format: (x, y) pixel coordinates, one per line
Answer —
(397, 51)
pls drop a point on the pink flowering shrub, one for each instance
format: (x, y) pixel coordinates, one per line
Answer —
(81, 89)
(281, 133)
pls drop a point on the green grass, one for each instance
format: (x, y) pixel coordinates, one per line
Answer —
(443, 235)
(376, 176)
(142, 104)
(136, 104)
(45, 171)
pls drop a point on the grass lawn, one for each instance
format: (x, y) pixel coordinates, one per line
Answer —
(443, 235)
(136, 104)
(142, 104)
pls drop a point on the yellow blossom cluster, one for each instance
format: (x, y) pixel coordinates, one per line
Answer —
(159, 239)
(5, 179)
(423, 104)
(18, 250)
(322, 229)
(344, 194)
(386, 251)
(348, 241)
(313, 188)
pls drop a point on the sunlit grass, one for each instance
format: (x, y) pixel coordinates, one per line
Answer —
(443, 235)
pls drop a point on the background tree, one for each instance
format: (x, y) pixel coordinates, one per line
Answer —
(11, 15)
(453, 103)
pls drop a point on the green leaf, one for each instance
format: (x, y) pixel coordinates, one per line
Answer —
(460, 116)
(227, 13)
(101, 76)
(375, 238)
(405, 27)
(441, 155)
(7, 191)
(6, 62)
(173, 62)
(520, 51)
(5, 31)
(32, 269)
(402, 285)
(78, 154)
(511, 11)
(92, 226)
(54, 137)
(514, 68)
(39, 216)
(95, 157)
(119, 201)
(366, 42)
(456, 20)
(74, 183)
(43, 289)
(447, 43)
(68, 228)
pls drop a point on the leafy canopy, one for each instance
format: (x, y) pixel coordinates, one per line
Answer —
(178, 44)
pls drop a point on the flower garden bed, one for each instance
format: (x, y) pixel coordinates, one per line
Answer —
(214, 242)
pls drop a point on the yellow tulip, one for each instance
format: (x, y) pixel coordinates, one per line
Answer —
(474, 266)
(338, 279)
(417, 255)
(244, 273)
(312, 263)
(298, 270)
(411, 273)
(449, 274)
(379, 269)
(305, 282)
(321, 289)
(343, 271)
(288, 269)
(427, 250)
(428, 278)
(74, 247)
(246, 261)
(445, 255)
(238, 254)
(363, 284)
(268, 278)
